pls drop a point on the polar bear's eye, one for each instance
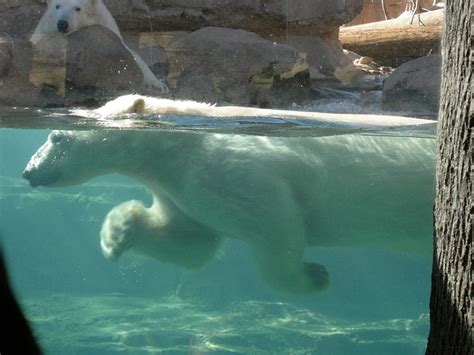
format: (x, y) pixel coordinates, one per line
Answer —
(57, 7)
(56, 137)
(77, 9)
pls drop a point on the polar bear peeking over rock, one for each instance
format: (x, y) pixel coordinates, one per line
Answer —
(279, 195)
(67, 16)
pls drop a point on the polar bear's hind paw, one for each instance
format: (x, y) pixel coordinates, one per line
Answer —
(318, 274)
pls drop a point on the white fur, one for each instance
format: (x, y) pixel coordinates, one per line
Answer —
(279, 195)
(83, 13)
(127, 104)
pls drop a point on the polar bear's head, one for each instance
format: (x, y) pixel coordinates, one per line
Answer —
(71, 15)
(69, 158)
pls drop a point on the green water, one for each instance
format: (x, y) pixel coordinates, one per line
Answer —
(372, 213)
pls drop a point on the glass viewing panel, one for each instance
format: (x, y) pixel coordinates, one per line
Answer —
(190, 177)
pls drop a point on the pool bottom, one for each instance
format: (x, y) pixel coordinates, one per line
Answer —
(91, 325)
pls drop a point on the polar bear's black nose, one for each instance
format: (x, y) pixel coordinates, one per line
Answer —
(63, 26)
(27, 174)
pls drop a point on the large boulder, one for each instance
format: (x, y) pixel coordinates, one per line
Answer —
(96, 58)
(235, 66)
(310, 26)
(414, 86)
(212, 64)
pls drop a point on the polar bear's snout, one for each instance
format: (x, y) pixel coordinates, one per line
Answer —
(28, 175)
(63, 26)
(40, 169)
(36, 178)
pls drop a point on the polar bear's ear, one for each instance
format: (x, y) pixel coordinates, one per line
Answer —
(138, 106)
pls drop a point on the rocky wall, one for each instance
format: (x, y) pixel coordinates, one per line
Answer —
(264, 53)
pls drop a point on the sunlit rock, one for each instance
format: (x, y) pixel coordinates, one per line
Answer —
(219, 64)
(414, 86)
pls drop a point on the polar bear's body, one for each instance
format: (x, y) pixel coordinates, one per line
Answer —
(279, 195)
(67, 16)
(138, 104)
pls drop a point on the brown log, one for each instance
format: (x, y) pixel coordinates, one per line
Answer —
(396, 41)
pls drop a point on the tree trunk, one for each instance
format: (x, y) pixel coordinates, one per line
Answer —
(452, 290)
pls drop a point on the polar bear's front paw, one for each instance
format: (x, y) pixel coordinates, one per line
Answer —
(119, 228)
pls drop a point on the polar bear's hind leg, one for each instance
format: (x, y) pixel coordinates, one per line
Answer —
(283, 268)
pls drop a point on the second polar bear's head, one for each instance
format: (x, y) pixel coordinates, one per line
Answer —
(70, 15)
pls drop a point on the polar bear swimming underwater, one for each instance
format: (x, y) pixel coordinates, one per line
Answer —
(67, 16)
(279, 195)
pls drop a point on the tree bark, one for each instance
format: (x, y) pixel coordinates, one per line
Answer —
(452, 289)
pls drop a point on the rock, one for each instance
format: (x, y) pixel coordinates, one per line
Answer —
(48, 65)
(15, 87)
(233, 66)
(310, 26)
(5, 55)
(151, 53)
(268, 70)
(212, 64)
(414, 86)
(89, 64)
(361, 68)
(96, 58)
(265, 17)
(324, 55)
(18, 18)
(92, 60)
